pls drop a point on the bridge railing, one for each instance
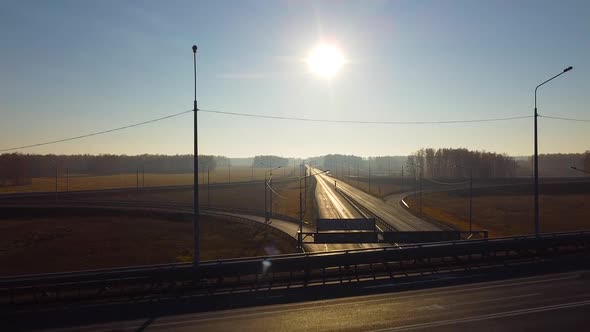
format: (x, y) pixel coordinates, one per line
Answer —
(283, 271)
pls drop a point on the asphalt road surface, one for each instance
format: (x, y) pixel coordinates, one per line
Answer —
(541, 303)
(393, 214)
(331, 205)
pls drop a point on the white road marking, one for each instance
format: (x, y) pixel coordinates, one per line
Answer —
(499, 299)
(228, 315)
(487, 316)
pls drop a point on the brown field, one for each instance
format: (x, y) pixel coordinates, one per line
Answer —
(510, 213)
(381, 186)
(249, 196)
(43, 245)
(130, 180)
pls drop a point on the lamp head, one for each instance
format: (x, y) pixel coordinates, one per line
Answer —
(194, 48)
(568, 69)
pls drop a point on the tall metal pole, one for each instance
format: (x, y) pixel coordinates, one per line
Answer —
(306, 183)
(402, 178)
(270, 193)
(415, 181)
(369, 175)
(195, 168)
(470, 194)
(266, 184)
(299, 235)
(536, 171)
(389, 166)
(536, 158)
(305, 189)
(265, 199)
(470, 198)
(421, 174)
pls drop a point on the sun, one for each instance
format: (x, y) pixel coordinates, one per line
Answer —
(325, 60)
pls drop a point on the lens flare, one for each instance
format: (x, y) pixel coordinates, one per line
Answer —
(325, 60)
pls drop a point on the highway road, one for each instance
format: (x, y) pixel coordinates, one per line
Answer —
(393, 214)
(332, 205)
(541, 303)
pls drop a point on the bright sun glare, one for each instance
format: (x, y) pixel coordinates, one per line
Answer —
(325, 60)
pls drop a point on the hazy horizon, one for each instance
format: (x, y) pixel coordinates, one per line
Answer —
(287, 157)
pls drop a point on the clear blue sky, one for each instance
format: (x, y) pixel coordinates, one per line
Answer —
(72, 67)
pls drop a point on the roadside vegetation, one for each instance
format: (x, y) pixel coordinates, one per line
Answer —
(508, 210)
(57, 244)
(76, 182)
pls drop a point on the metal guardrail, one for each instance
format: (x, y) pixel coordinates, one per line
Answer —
(250, 212)
(253, 223)
(345, 225)
(285, 270)
(178, 207)
(382, 224)
(396, 237)
(421, 236)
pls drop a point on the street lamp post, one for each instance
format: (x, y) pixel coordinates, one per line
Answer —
(266, 184)
(536, 158)
(253, 164)
(470, 193)
(421, 175)
(310, 169)
(369, 176)
(300, 232)
(195, 168)
(403, 179)
(415, 178)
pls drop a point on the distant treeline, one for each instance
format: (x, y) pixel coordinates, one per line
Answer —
(18, 168)
(350, 164)
(270, 161)
(441, 163)
(555, 164)
(446, 163)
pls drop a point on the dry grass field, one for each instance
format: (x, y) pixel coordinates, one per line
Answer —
(509, 211)
(245, 195)
(131, 180)
(42, 244)
(381, 186)
(47, 244)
